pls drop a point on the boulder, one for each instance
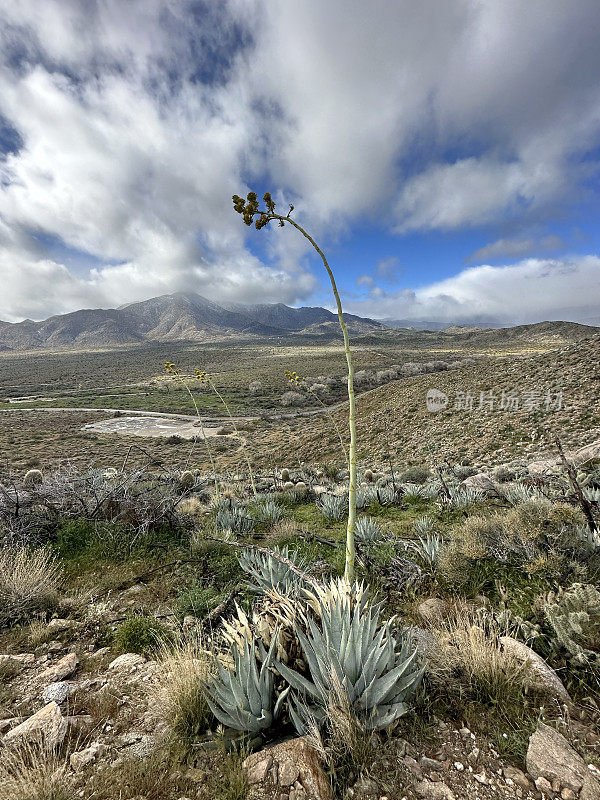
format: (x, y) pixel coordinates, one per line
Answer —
(550, 756)
(58, 692)
(84, 757)
(128, 662)
(434, 790)
(61, 670)
(287, 771)
(481, 482)
(16, 661)
(48, 726)
(587, 455)
(543, 676)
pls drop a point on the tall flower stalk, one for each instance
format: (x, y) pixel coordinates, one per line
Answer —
(249, 209)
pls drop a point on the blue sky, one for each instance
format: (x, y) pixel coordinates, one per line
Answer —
(445, 155)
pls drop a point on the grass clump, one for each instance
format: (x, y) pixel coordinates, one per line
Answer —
(32, 772)
(29, 582)
(179, 699)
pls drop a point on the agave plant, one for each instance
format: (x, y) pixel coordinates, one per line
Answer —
(269, 572)
(365, 496)
(423, 526)
(592, 494)
(267, 512)
(414, 490)
(427, 549)
(235, 519)
(385, 495)
(242, 697)
(466, 496)
(368, 531)
(349, 649)
(333, 506)
(518, 493)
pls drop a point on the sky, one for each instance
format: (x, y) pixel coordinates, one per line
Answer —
(445, 155)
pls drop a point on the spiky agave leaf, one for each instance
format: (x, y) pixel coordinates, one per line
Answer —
(269, 572)
(242, 697)
(349, 649)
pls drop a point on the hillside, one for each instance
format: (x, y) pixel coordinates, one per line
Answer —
(393, 420)
(174, 317)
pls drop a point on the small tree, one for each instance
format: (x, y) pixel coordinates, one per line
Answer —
(249, 209)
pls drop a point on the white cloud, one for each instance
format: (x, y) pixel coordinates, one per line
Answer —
(139, 120)
(517, 247)
(532, 290)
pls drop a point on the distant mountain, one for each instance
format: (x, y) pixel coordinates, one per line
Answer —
(423, 325)
(173, 317)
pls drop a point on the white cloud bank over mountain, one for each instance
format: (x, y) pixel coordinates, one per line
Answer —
(532, 290)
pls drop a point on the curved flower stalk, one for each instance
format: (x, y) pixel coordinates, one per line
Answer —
(249, 209)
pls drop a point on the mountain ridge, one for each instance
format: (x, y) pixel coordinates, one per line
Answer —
(179, 316)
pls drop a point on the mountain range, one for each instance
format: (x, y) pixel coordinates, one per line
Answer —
(174, 317)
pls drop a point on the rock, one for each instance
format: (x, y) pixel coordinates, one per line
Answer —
(517, 776)
(47, 725)
(16, 661)
(587, 455)
(139, 745)
(84, 757)
(423, 640)
(61, 670)
(434, 790)
(59, 625)
(544, 677)
(546, 468)
(128, 662)
(290, 769)
(590, 789)
(544, 786)
(568, 794)
(550, 756)
(434, 609)
(58, 692)
(481, 482)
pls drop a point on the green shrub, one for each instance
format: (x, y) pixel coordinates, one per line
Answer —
(139, 634)
(418, 474)
(197, 600)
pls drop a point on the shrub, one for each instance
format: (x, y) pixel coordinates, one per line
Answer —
(266, 512)
(255, 388)
(418, 475)
(139, 634)
(28, 583)
(469, 659)
(292, 399)
(197, 600)
(32, 478)
(575, 619)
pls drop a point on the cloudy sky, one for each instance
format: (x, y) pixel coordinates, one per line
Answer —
(445, 153)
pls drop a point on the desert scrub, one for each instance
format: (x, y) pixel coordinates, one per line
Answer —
(140, 634)
(574, 616)
(33, 477)
(29, 581)
(33, 772)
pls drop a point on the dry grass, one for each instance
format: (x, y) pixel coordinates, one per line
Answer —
(470, 659)
(30, 772)
(28, 583)
(179, 698)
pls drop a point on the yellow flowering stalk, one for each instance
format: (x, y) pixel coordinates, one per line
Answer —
(203, 378)
(176, 373)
